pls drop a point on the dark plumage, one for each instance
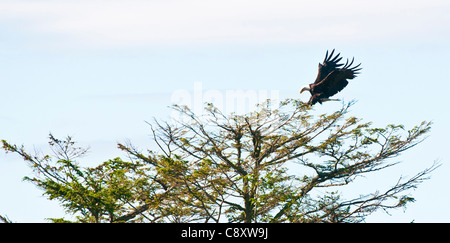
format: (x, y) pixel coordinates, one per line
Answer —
(331, 78)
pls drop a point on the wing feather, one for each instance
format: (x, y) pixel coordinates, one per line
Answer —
(336, 81)
(329, 65)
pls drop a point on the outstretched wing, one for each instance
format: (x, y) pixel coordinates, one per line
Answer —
(329, 64)
(337, 79)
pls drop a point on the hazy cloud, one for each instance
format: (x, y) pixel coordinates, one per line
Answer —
(139, 22)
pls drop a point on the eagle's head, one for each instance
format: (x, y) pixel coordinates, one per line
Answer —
(306, 88)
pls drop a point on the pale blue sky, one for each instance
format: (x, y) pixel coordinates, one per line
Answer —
(98, 69)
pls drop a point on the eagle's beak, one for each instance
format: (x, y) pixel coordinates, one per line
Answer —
(304, 88)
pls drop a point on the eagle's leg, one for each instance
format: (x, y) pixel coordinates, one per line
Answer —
(327, 99)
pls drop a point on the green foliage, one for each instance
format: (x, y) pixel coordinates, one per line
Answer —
(99, 194)
(265, 166)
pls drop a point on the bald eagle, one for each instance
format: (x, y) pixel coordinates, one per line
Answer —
(331, 78)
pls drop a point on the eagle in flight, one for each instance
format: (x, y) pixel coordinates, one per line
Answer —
(331, 78)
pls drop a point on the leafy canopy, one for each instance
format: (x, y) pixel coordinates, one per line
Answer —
(265, 166)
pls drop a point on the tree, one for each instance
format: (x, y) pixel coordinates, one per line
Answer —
(265, 166)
